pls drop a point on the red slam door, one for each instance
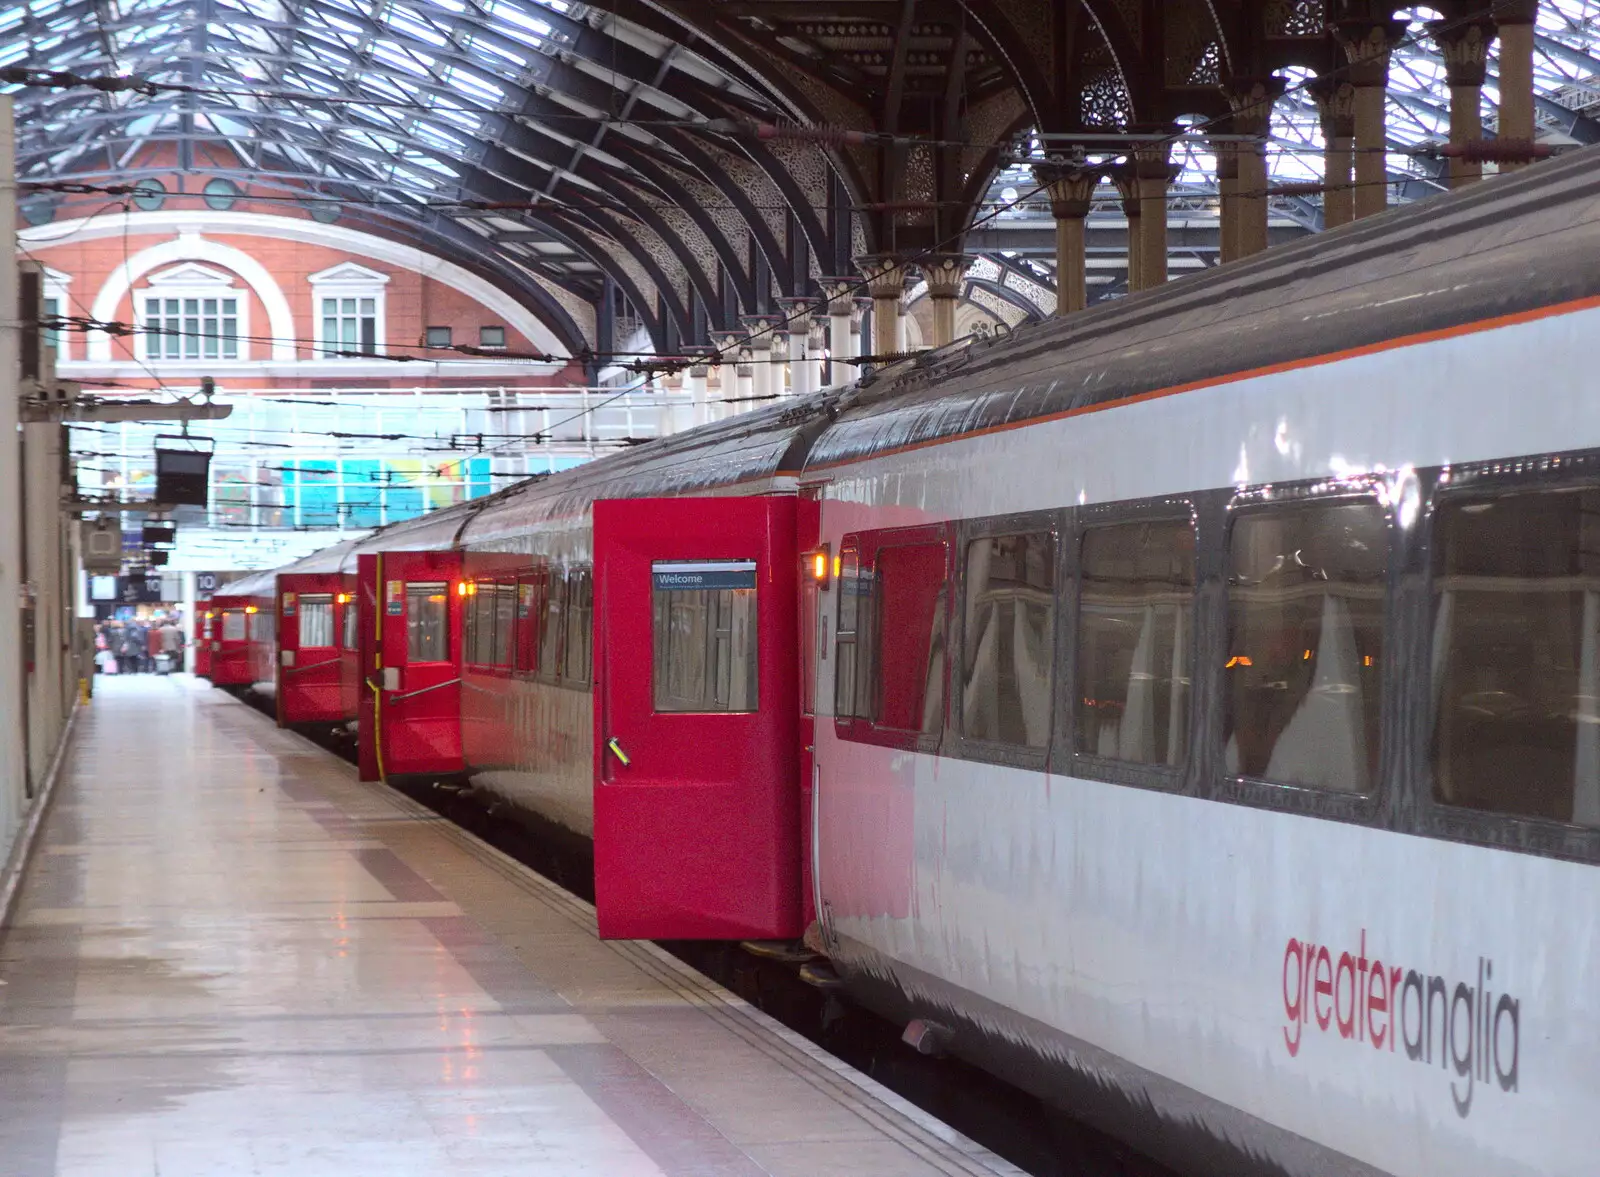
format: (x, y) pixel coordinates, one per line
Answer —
(697, 795)
(419, 706)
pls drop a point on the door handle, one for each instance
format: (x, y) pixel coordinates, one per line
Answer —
(616, 750)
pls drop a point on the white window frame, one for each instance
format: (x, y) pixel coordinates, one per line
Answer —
(184, 281)
(348, 280)
(55, 286)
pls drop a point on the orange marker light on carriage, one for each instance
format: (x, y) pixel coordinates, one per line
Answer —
(820, 568)
(461, 589)
(249, 608)
(344, 598)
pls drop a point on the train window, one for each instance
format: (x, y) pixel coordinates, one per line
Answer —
(233, 625)
(478, 623)
(427, 622)
(505, 620)
(352, 623)
(1305, 635)
(1135, 624)
(264, 626)
(906, 612)
(580, 608)
(316, 620)
(554, 627)
(1008, 639)
(704, 636)
(1516, 655)
(530, 616)
(854, 586)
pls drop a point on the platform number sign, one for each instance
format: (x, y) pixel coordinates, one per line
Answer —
(394, 597)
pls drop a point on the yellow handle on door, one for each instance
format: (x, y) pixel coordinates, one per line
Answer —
(616, 750)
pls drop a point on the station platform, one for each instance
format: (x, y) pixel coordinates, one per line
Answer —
(230, 957)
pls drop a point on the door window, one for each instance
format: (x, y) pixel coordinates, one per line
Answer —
(233, 625)
(704, 636)
(428, 622)
(352, 619)
(316, 620)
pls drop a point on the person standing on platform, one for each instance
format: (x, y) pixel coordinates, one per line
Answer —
(135, 647)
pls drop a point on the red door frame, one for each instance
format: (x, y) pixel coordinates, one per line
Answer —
(697, 821)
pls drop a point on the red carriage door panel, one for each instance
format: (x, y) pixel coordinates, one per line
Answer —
(696, 742)
(419, 681)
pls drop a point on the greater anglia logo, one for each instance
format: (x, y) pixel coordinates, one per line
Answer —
(1475, 1031)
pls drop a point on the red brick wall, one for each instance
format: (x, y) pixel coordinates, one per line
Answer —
(412, 302)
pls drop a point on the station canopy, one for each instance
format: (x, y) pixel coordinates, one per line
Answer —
(564, 144)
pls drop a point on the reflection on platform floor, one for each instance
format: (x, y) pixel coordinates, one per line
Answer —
(231, 958)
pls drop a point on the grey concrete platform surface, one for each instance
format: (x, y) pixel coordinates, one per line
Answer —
(232, 958)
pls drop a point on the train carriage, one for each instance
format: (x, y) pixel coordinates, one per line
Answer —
(1185, 709)
(243, 651)
(318, 629)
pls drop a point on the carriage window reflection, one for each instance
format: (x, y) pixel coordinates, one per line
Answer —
(704, 636)
(427, 622)
(1516, 655)
(579, 651)
(1305, 642)
(906, 608)
(1135, 623)
(1008, 642)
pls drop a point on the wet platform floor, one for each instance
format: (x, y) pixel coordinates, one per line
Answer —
(232, 958)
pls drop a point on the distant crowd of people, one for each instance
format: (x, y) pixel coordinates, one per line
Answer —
(138, 647)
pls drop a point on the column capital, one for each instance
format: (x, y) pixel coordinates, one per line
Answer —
(1464, 45)
(1070, 188)
(1366, 45)
(885, 274)
(1336, 103)
(1251, 101)
(838, 294)
(944, 272)
(1125, 178)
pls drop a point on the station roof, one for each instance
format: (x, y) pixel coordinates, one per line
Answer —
(613, 152)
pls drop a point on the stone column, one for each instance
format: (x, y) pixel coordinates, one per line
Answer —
(1155, 174)
(799, 371)
(1465, 46)
(1367, 44)
(694, 383)
(758, 329)
(842, 341)
(744, 382)
(1335, 100)
(886, 282)
(1516, 21)
(945, 273)
(1227, 152)
(1071, 196)
(816, 345)
(1122, 175)
(730, 347)
(1252, 99)
(797, 326)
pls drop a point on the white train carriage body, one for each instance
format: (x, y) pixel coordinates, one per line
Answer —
(1214, 687)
